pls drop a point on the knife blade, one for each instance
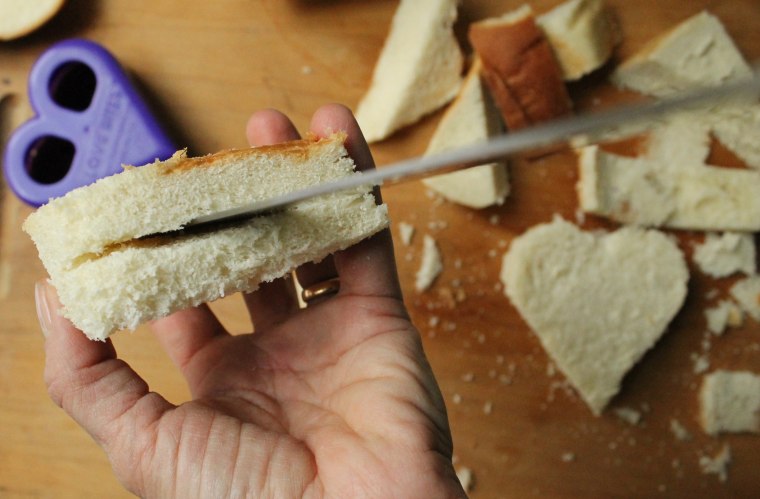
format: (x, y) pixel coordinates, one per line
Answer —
(579, 130)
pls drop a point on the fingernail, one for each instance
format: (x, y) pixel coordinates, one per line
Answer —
(43, 307)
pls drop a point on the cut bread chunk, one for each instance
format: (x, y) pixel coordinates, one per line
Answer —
(471, 118)
(20, 17)
(109, 277)
(520, 68)
(583, 35)
(645, 191)
(697, 52)
(721, 255)
(730, 402)
(597, 301)
(418, 71)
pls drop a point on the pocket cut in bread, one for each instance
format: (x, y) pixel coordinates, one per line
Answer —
(109, 277)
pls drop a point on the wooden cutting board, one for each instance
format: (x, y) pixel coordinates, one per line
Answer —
(521, 430)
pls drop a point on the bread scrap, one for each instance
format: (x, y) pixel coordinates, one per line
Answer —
(470, 119)
(520, 68)
(697, 52)
(418, 71)
(729, 402)
(21, 17)
(583, 34)
(596, 301)
(109, 277)
(721, 255)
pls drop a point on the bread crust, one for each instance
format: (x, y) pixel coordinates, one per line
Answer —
(521, 70)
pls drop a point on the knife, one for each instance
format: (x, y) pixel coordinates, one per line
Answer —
(577, 130)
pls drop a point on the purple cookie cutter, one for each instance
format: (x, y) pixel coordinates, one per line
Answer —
(89, 121)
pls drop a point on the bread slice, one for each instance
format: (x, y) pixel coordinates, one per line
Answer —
(730, 402)
(21, 17)
(109, 279)
(697, 52)
(471, 118)
(418, 71)
(520, 68)
(746, 292)
(583, 35)
(597, 301)
(647, 191)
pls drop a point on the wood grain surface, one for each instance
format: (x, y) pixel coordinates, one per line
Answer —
(204, 67)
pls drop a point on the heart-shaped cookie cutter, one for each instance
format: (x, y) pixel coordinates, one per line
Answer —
(89, 121)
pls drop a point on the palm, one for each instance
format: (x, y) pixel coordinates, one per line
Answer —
(346, 423)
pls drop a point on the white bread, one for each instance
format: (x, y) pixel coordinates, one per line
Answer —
(697, 52)
(520, 68)
(746, 292)
(647, 191)
(471, 118)
(583, 35)
(730, 402)
(20, 17)
(725, 313)
(431, 265)
(597, 301)
(108, 279)
(721, 255)
(418, 71)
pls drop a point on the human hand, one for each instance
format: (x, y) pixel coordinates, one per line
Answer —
(334, 400)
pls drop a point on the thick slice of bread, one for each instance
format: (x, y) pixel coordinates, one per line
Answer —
(471, 118)
(108, 279)
(418, 71)
(596, 301)
(647, 191)
(583, 35)
(697, 52)
(730, 402)
(20, 17)
(520, 68)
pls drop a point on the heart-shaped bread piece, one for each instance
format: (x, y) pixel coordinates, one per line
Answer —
(597, 301)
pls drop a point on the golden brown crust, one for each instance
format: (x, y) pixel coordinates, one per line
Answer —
(299, 150)
(521, 71)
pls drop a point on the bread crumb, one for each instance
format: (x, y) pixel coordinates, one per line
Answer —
(629, 415)
(494, 219)
(466, 478)
(568, 457)
(718, 464)
(747, 293)
(456, 398)
(730, 402)
(681, 433)
(468, 377)
(701, 363)
(488, 407)
(406, 231)
(726, 254)
(725, 314)
(306, 69)
(431, 265)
